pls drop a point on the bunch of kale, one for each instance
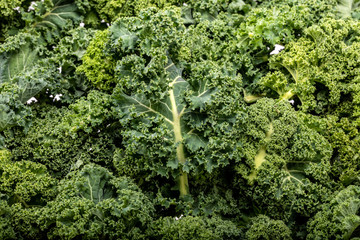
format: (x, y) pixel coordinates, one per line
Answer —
(154, 119)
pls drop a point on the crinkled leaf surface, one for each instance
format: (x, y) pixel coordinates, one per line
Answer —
(16, 62)
(94, 185)
(172, 108)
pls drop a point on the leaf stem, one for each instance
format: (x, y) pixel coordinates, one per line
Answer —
(260, 156)
(180, 153)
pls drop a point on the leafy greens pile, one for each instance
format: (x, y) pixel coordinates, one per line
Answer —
(154, 119)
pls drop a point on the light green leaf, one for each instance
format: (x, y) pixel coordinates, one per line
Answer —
(59, 16)
(14, 63)
(237, 5)
(346, 7)
(94, 184)
(29, 87)
(122, 36)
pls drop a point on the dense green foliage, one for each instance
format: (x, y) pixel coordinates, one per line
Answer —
(155, 119)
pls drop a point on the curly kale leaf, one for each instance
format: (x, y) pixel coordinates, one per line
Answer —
(17, 62)
(348, 8)
(97, 66)
(62, 75)
(319, 72)
(194, 227)
(25, 187)
(87, 114)
(18, 65)
(49, 142)
(339, 219)
(320, 64)
(171, 109)
(92, 203)
(6, 230)
(286, 161)
(20, 79)
(52, 18)
(25, 182)
(279, 22)
(12, 111)
(164, 115)
(263, 227)
(22, 55)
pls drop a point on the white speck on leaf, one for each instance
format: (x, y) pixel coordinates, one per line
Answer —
(57, 97)
(177, 218)
(31, 100)
(82, 24)
(278, 48)
(31, 7)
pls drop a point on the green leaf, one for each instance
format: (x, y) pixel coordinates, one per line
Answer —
(172, 109)
(94, 184)
(26, 182)
(162, 108)
(16, 62)
(172, 106)
(122, 36)
(58, 17)
(194, 141)
(30, 84)
(186, 15)
(237, 5)
(340, 218)
(203, 96)
(346, 7)
(12, 110)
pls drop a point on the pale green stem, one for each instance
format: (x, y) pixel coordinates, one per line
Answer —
(260, 156)
(286, 96)
(180, 153)
(252, 98)
(22, 201)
